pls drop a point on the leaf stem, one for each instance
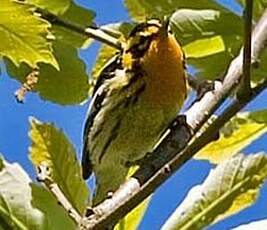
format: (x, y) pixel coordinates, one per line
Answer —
(44, 178)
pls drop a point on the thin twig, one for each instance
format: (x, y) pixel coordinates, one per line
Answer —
(148, 177)
(43, 176)
(90, 32)
(245, 88)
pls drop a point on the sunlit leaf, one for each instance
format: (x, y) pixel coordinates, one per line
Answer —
(203, 28)
(23, 35)
(51, 147)
(240, 132)
(67, 86)
(133, 219)
(55, 6)
(20, 203)
(204, 47)
(232, 186)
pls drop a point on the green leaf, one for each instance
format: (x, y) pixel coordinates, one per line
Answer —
(204, 47)
(77, 15)
(23, 35)
(67, 86)
(18, 200)
(189, 24)
(212, 36)
(237, 134)
(229, 188)
(56, 216)
(257, 225)
(56, 6)
(51, 147)
(140, 10)
(258, 7)
(258, 75)
(132, 220)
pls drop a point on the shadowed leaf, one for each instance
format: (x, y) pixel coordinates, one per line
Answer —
(67, 86)
(19, 199)
(51, 147)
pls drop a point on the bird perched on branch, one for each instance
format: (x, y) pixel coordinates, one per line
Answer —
(137, 96)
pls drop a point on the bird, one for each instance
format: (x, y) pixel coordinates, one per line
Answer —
(138, 94)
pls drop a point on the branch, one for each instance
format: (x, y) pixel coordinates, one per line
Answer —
(157, 169)
(245, 88)
(44, 178)
(90, 32)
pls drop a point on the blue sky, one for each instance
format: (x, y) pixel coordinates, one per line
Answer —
(14, 127)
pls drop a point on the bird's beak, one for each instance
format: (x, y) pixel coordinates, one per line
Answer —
(165, 27)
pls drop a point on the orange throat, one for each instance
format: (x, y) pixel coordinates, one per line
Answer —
(165, 74)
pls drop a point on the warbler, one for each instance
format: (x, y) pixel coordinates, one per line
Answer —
(137, 96)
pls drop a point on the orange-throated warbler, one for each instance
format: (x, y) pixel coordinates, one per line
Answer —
(137, 96)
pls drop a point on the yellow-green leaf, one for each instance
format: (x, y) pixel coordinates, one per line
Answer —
(133, 219)
(51, 147)
(24, 205)
(230, 187)
(67, 86)
(240, 132)
(56, 6)
(23, 35)
(204, 47)
(197, 27)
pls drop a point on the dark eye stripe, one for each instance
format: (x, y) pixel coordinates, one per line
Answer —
(138, 50)
(141, 27)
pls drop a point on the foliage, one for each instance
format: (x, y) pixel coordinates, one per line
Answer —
(230, 187)
(51, 147)
(48, 35)
(25, 205)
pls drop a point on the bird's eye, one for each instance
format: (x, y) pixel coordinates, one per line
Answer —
(143, 43)
(139, 45)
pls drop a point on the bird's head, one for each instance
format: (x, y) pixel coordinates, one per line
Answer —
(141, 36)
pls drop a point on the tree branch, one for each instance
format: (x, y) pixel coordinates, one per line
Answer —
(245, 88)
(90, 32)
(167, 158)
(44, 178)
